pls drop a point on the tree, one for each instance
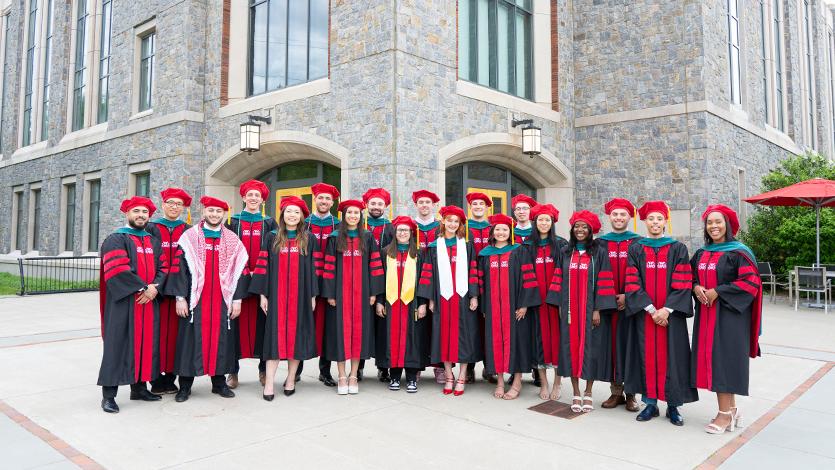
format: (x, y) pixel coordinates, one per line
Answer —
(785, 236)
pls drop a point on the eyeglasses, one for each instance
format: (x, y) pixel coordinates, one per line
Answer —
(403, 230)
(173, 204)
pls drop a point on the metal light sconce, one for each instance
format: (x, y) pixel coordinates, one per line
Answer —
(251, 133)
(531, 137)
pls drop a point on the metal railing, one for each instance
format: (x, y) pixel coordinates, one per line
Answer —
(58, 274)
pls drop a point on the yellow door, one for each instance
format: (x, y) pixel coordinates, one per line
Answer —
(498, 197)
(302, 192)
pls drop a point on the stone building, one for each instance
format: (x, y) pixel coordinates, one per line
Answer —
(689, 100)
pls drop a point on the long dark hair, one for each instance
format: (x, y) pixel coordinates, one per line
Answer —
(728, 235)
(391, 249)
(491, 239)
(590, 243)
(342, 236)
(536, 235)
(281, 236)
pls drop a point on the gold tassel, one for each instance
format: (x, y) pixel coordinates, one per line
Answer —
(670, 220)
(263, 210)
(364, 215)
(391, 212)
(634, 219)
(188, 215)
(512, 235)
(418, 238)
(467, 229)
(228, 215)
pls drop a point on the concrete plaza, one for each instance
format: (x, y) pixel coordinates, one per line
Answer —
(50, 415)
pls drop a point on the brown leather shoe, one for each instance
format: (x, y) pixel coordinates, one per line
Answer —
(631, 403)
(232, 381)
(613, 401)
(262, 377)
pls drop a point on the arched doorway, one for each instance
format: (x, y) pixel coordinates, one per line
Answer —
(296, 178)
(500, 184)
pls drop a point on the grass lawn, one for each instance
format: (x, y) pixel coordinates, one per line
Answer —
(10, 284)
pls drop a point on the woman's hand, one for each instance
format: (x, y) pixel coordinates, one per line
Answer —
(661, 317)
(421, 311)
(381, 311)
(236, 309)
(332, 302)
(621, 301)
(595, 318)
(182, 308)
(711, 295)
(521, 312)
(699, 292)
(313, 303)
(265, 304)
(372, 299)
(473, 303)
(432, 305)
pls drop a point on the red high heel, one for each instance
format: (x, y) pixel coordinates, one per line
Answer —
(448, 385)
(458, 393)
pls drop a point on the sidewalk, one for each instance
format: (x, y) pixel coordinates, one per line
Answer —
(50, 353)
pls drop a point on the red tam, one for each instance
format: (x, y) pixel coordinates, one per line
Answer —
(295, 201)
(403, 220)
(209, 201)
(523, 198)
(137, 201)
(479, 196)
(379, 193)
(654, 206)
(618, 203)
(500, 219)
(248, 186)
(324, 188)
(453, 210)
(178, 193)
(590, 218)
(729, 214)
(424, 193)
(351, 203)
(545, 209)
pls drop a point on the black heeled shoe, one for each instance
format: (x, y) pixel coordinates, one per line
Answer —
(288, 393)
(269, 397)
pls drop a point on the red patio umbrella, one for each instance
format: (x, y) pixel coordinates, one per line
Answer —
(816, 192)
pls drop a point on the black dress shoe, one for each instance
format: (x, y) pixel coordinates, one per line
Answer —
(182, 395)
(170, 388)
(223, 391)
(383, 375)
(327, 380)
(651, 411)
(359, 375)
(269, 397)
(470, 376)
(675, 417)
(489, 377)
(536, 381)
(108, 405)
(144, 395)
(158, 387)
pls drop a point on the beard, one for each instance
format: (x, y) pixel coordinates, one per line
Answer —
(376, 213)
(137, 224)
(212, 226)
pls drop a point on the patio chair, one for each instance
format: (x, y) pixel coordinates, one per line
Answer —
(769, 279)
(812, 281)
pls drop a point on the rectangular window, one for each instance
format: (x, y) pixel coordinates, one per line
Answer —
(142, 183)
(94, 188)
(47, 68)
(146, 71)
(80, 72)
(20, 232)
(288, 43)
(778, 63)
(29, 85)
(494, 45)
(733, 52)
(69, 217)
(35, 220)
(104, 61)
(810, 95)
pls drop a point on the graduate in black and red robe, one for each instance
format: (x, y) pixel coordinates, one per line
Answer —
(131, 271)
(658, 284)
(544, 249)
(209, 288)
(521, 205)
(285, 279)
(250, 225)
(614, 323)
(427, 226)
(352, 278)
(321, 223)
(449, 285)
(508, 288)
(168, 229)
(582, 287)
(405, 344)
(726, 329)
(376, 201)
(478, 235)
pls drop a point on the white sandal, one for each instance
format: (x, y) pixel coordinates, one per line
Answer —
(713, 428)
(590, 407)
(341, 390)
(737, 419)
(575, 407)
(353, 389)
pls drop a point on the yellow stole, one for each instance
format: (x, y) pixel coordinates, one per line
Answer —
(407, 291)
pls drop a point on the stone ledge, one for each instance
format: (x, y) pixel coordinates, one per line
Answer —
(498, 98)
(269, 100)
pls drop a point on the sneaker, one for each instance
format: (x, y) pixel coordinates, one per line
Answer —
(394, 385)
(411, 386)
